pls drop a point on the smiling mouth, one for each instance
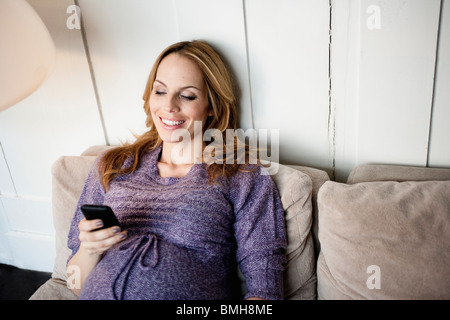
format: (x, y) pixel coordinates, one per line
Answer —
(172, 123)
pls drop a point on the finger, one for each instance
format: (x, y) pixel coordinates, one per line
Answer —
(99, 235)
(89, 225)
(97, 247)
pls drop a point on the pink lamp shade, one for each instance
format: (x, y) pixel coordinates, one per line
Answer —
(27, 52)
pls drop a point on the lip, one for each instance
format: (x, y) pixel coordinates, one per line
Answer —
(171, 127)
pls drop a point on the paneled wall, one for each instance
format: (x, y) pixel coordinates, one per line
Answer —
(439, 150)
(59, 118)
(390, 77)
(344, 82)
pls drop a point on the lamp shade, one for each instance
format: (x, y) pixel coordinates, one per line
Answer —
(27, 52)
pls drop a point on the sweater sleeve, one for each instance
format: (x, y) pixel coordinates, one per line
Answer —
(92, 193)
(260, 234)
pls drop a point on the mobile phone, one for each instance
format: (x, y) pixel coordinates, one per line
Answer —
(105, 213)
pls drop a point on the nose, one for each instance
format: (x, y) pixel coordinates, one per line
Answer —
(171, 105)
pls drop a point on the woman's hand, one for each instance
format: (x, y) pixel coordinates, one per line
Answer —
(99, 241)
(93, 245)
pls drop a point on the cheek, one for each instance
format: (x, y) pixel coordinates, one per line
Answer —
(152, 114)
(153, 106)
(201, 110)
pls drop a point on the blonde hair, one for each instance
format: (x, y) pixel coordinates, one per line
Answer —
(222, 101)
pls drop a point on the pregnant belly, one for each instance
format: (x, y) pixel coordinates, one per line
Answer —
(147, 267)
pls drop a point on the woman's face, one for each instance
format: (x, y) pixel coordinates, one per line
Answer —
(179, 97)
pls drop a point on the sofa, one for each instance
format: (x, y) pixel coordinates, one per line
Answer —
(384, 234)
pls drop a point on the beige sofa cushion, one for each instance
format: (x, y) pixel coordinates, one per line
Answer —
(296, 190)
(392, 234)
(298, 187)
(318, 178)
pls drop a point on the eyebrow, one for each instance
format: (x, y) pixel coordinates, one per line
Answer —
(186, 87)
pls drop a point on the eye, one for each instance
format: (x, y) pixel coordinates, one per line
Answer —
(189, 98)
(159, 92)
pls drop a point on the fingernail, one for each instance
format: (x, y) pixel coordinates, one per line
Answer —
(123, 236)
(116, 230)
(99, 223)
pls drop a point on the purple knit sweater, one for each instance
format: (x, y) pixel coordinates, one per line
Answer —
(185, 235)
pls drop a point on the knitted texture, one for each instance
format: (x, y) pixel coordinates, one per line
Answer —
(186, 235)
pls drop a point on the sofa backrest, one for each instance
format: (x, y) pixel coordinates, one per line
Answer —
(387, 220)
(298, 188)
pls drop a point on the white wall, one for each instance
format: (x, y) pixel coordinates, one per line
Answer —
(344, 81)
(60, 118)
(383, 83)
(439, 154)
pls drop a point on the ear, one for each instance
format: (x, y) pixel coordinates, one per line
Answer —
(210, 112)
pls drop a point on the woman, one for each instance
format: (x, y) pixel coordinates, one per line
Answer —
(186, 223)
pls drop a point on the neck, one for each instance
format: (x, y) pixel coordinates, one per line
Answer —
(181, 153)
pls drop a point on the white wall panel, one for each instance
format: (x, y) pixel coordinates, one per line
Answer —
(5, 249)
(27, 233)
(288, 43)
(396, 80)
(6, 183)
(124, 39)
(29, 215)
(32, 251)
(439, 154)
(345, 58)
(222, 24)
(382, 66)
